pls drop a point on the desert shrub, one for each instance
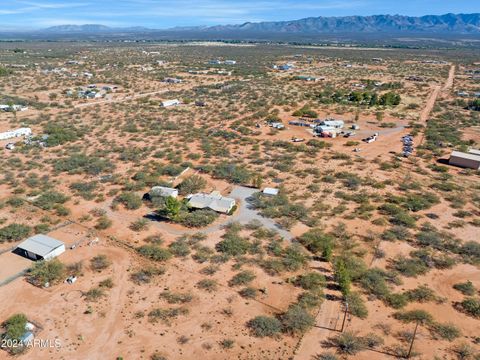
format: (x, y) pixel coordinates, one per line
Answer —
(414, 315)
(396, 300)
(130, 200)
(15, 326)
(207, 285)
(296, 320)
(191, 185)
(348, 343)
(49, 199)
(465, 288)
(166, 315)
(232, 172)
(471, 252)
(294, 258)
(356, 305)
(176, 298)
(144, 276)
(311, 281)
(375, 281)
(372, 340)
(99, 263)
(262, 326)
(155, 252)
(471, 306)
(103, 223)
(233, 244)
(248, 293)
(81, 163)
(227, 343)
(43, 272)
(446, 331)
(14, 232)
(421, 294)
(198, 218)
(317, 242)
(310, 299)
(139, 225)
(94, 294)
(179, 248)
(326, 356)
(242, 278)
(410, 267)
(107, 283)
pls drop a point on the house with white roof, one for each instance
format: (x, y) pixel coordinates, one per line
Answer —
(214, 201)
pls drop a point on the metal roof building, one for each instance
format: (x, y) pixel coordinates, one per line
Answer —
(40, 247)
(469, 160)
(163, 191)
(213, 201)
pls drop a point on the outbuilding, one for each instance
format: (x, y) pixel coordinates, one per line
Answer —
(214, 201)
(169, 103)
(469, 160)
(163, 192)
(40, 247)
(270, 191)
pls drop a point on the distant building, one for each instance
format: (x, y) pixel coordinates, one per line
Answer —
(230, 62)
(15, 133)
(470, 160)
(172, 80)
(169, 103)
(214, 201)
(40, 247)
(337, 124)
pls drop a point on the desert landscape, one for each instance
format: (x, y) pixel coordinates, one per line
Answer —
(238, 201)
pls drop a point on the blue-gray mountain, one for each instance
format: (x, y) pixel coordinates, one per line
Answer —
(448, 23)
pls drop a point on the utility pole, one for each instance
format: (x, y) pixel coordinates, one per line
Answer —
(413, 339)
(344, 316)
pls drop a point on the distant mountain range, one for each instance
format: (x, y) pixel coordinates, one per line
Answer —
(448, 23)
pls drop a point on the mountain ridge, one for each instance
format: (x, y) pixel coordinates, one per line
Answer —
(457, 23)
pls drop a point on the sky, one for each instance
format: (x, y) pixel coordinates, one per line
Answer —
(160, 14)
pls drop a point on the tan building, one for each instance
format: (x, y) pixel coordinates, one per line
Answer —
(470, 160)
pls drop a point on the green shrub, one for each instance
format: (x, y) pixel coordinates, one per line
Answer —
(155, 252)
(421, 294)
(207, 285)
(465, 288)
(317, 242)
(311, 281)
(15, 326)
(242, 278)
(297, 320)
(248, 293)
(446, 331)
(176, 298)
(348, 343)
(262, 326)
(43, 272)
(414, 315)
(130, 200)
(356, 305)
(100, 262)
(191, 185)
(198, 218)
(471, 306)
(14, 232)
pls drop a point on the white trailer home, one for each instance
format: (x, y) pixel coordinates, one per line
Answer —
(15, 133)
(169, 103)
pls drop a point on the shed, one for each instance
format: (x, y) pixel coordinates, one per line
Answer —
(270, 191)
(169, 103)
(469, 160)
(41, 247)
(163, 191)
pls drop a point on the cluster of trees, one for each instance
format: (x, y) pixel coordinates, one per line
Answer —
(14, 232)
(360, 97)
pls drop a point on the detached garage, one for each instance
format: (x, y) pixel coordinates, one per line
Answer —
(40, 247)
(465, 160)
